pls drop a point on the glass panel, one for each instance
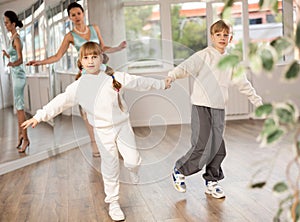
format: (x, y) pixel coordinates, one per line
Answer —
(29, 48)
(264, 24)
(42, 37)
(59, 35)
(71, 52)
(36, 40)
(188, 29)
(143, 34)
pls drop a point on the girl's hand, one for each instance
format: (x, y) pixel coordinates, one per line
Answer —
(31, 122)
(10, 64)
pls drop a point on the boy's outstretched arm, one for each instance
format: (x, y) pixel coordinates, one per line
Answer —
(31, 122)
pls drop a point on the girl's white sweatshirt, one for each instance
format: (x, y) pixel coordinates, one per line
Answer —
(97, 97)
(210, 84)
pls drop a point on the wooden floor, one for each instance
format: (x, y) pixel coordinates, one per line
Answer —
(69, 187)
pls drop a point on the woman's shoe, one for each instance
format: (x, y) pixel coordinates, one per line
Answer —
(96, 154)
(20, 142)
(24, 147)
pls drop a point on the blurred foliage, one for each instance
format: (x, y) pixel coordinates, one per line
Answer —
(280, 118)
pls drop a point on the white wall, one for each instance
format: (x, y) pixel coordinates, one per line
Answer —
(274, 88)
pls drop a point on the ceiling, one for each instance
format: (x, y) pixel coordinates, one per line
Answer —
(20, 5)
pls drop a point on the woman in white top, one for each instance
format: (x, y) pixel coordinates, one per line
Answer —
(100, 95)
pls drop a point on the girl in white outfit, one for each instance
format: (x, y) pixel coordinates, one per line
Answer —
(99, 93)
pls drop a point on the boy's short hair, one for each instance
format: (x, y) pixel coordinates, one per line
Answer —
(219, 26)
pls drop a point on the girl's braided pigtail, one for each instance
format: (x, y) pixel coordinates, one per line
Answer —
(80, 70)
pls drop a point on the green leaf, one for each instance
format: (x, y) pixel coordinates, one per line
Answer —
(293, 71)
(228, 3)
(269, 126)
(253, 47)
(238, 71)
(285, 115)
(277, 217)
(228, 61)
(265, 109)
(281, 44)
(261, 3)
(280, 187)
(255, 63)
(226, 13)
(274, 136)
(267, 59)
(297, 40)
(298, 148)
(259, 184)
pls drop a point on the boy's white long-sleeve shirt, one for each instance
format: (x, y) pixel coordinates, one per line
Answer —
(97, 97)
(210, 84)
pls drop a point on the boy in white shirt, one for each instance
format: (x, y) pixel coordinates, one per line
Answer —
(209, 96)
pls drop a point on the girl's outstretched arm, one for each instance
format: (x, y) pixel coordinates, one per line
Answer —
(31, 122)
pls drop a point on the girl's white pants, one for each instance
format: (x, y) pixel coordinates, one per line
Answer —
(109, 140)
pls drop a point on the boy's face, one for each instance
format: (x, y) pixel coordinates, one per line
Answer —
(220, 40)
(91, 63)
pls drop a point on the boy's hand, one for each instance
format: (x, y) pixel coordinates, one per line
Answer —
(33, 122)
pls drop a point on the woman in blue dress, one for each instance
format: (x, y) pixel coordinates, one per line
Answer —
(80, 34)
(14, 53)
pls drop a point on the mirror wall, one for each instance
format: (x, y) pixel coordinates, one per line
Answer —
(44, 22)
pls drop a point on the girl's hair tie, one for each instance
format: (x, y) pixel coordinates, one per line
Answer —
(112, 77)
(103, 67)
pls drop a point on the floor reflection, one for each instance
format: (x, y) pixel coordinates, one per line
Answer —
(44, 137)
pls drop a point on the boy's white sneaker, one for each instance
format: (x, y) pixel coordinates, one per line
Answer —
(178, 181)
(214, 189)
(115, 211)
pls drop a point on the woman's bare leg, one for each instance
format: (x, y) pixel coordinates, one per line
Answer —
(22, 132)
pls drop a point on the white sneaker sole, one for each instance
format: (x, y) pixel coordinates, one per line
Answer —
(214, 195)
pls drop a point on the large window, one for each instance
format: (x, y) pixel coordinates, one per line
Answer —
(188, 29)
(143, 35)
(152, 25)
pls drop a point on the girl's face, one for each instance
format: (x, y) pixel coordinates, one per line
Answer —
(220, 40)
(76, 15)
(8, 25)
(91, 63)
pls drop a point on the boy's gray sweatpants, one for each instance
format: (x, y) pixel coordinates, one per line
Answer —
(208, 147)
